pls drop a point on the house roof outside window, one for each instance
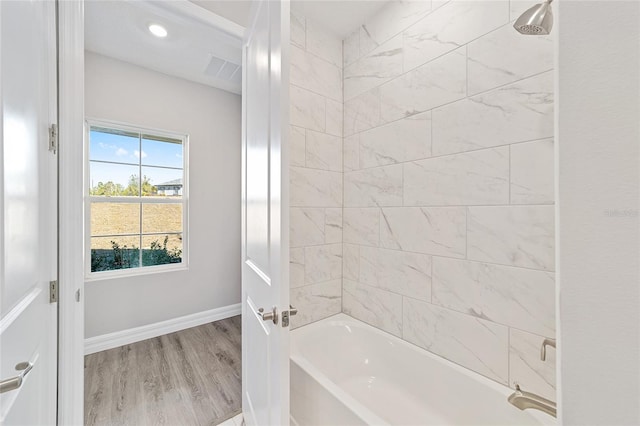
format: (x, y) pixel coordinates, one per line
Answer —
(176, 183)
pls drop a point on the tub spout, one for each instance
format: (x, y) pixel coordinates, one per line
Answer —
(524, 400)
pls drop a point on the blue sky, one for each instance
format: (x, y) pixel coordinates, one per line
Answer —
(126, 149)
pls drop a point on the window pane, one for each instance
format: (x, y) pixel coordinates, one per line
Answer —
(113, 180)
(161, 218)
(161, 152)
(134, 164)
(115, 218)
(109, 253)
(158, 181)
(161, 249)
(113, 145)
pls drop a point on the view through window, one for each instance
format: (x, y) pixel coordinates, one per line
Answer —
(136, 198)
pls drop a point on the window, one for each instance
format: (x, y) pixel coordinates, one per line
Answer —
(136, 200)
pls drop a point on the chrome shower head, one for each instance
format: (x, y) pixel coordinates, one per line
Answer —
(537, 20)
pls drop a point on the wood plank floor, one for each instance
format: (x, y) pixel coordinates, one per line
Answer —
(191, 377)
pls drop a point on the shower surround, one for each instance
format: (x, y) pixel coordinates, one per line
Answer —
(444, 203)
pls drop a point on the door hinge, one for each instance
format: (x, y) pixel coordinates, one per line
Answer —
(53, 291)
(53, 138)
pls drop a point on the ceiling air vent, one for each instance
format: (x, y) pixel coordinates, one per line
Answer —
(223, 70)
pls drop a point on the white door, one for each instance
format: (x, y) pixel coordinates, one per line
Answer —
(265, 222)
(27, 213)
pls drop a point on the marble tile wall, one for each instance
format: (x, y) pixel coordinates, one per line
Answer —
(316, 171)
(448, 216)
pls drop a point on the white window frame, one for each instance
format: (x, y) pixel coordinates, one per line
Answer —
(88, 199)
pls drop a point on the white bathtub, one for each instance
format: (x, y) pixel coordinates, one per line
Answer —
(345, 372)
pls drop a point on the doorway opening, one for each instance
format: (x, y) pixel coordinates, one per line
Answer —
(161, 188)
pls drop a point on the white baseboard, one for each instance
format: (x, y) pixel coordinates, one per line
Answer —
(132, 335)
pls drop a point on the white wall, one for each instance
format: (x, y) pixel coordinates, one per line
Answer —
(598, 190)
(126, 93)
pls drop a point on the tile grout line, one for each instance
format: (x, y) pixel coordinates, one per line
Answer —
(406, 28)
(315, 55)
(343, 192)
(495, 147)
(451, 102)
(461, 259)
(458, 46)
(437, 206)
(449, 309)
(298, 86)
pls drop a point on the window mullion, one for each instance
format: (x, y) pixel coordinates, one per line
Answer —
(135, 200)
(140, 235)
(140, 194)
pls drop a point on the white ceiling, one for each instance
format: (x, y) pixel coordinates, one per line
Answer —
(339, 17)
(234, 10)
(197, 46)
(204, 42)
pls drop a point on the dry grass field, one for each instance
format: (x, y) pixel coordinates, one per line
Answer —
(111, 219)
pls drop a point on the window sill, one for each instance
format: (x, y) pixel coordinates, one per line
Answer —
(134, 272)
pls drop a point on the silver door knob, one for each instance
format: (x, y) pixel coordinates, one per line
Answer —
(15, 382)
(269, 316)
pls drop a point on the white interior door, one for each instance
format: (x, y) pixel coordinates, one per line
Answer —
(27, 213)
(265, 222)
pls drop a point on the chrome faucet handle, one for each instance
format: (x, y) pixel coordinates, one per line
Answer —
(543, 349)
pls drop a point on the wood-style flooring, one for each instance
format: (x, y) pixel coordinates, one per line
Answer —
(191, 377)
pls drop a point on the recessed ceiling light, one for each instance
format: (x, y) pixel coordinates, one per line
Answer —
(158, 30)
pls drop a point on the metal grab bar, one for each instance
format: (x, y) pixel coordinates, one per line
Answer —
(13, 383)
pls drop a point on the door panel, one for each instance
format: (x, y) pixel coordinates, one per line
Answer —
(28, 210)
(265, 253)
(256, 373)
(257, 140)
